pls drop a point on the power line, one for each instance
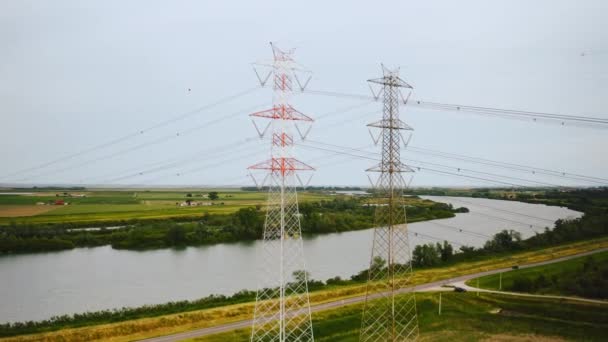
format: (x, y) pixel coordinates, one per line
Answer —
(133, 134)
(146, 144)
(531, 226)
(509, 113)
(433, 238)
(214, 149)
(458, 169)
(414, 166)
(510, 166)
(504, 210)
(192, 170)
(460, 230)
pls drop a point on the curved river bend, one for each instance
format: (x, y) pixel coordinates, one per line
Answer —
(38, 286)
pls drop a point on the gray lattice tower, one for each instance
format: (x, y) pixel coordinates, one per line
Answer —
(389, 313)
(282, 310)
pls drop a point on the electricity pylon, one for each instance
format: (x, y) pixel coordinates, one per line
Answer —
(282, 309)
(389, 313)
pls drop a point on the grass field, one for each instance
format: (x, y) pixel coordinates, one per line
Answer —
(563, 271)
(466, 317)
(163, 325)
(116, 205)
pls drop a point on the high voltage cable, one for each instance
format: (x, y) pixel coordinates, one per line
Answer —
(459, 169)
(602, 122)
(430, 237)
(205, 166)
(512, 112)
(237, 144)
(511, 166)
(185, 160)
(509, 221)
(418, 167)
(439, 171)
(506, 165)
(503, 210)
(145, 144)
(460, 230)
(549, 172)
(134, 134)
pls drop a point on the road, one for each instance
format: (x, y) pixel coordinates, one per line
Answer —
(359, 299)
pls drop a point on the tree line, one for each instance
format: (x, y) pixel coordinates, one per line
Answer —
(327, 216)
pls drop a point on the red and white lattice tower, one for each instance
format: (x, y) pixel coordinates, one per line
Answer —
(282, 309)
(389, 313)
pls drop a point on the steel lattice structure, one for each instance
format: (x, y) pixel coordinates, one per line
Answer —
(389, 313)
(282, 310)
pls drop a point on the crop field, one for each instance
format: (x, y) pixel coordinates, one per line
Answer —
(114, 205)
(25, 210)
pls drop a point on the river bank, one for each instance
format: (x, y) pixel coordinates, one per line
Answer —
(38, 286)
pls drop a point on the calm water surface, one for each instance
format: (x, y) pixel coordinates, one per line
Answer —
(38, 286)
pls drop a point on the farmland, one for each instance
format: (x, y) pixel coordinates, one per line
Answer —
(117, 205)
(161, 219)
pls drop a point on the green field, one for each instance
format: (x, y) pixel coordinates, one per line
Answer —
(585, 276)
(118, 205)
(467, 317)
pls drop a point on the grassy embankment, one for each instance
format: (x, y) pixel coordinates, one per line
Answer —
(467, 317)
(163, 325)
(585, 277)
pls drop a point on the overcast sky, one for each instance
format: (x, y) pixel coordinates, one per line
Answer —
(77, 74)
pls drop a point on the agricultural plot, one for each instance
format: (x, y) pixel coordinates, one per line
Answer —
(24, 210)
(41, 207)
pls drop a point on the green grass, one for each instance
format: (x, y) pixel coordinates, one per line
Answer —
(467, 317)
(562, 270)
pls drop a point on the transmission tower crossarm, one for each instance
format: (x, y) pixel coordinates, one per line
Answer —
(282, 309)
(389, 314)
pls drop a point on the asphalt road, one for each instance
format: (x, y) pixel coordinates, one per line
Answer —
(354, 300)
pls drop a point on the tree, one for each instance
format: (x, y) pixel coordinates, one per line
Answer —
(300, 276)
(213, 195)
(176, 235)
(446, 251)
(503, 241)
(426, 255)
(250, 222)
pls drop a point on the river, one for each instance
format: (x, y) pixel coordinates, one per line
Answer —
(38, 286)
